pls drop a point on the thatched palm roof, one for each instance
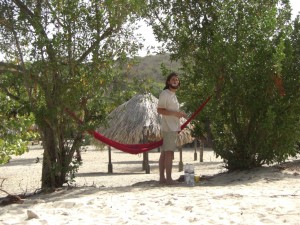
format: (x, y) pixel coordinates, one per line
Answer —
(138, 116)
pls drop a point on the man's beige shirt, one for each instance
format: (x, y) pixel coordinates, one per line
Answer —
(168, 100)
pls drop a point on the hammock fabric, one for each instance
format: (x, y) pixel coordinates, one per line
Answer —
(135, 148)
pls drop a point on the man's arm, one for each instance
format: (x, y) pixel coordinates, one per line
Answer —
(166, 112)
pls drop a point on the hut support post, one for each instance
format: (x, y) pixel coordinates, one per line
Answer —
(110, 167)
(195, 146)
(201, 150)
(180, 166)
(146, 165)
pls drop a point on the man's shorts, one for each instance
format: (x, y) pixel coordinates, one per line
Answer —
(169, 140)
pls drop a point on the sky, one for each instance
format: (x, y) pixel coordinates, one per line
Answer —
(295, 7)
(150, 40)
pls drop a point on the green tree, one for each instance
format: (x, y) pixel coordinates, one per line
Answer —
(238, 49)
(64, 53)
(291, 69)
(16, 123)
(14, 129)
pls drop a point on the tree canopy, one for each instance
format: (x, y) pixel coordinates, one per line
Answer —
(65, 54)
(244, 53)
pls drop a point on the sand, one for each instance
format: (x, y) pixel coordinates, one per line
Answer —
(267, 195)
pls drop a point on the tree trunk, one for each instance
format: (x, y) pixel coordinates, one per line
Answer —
(52, 176)
(57, 156)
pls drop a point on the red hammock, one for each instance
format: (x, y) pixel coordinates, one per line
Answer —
(135, 148)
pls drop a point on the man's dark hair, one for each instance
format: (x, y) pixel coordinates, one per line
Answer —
(173, 74)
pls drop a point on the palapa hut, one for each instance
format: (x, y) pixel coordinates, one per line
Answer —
(137, 120)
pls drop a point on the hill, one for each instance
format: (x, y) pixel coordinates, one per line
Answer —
(151, 67)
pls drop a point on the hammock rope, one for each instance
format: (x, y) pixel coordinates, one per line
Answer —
(134, 148)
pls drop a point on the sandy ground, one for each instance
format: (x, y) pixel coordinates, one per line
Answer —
(268, 195)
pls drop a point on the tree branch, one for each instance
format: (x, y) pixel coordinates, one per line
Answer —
(5, 90)
(38, 27)
(24, 8)
(38, 8)
(54, 14)
(108, 32)
(10, 68)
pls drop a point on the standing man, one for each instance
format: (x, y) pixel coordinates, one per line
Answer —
(168, 107)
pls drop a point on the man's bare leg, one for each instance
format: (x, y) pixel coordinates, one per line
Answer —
(168, 165)
(161, 164)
